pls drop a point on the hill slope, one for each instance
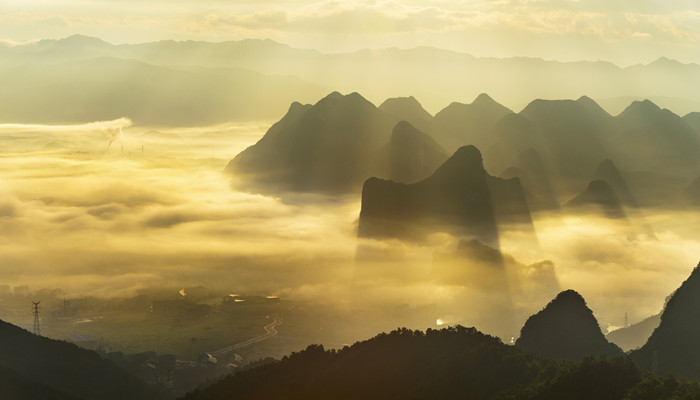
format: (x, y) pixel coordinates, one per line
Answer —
(565, 329)
(66, 368)
(673, 346)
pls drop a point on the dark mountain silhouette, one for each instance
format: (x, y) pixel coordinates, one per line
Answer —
(635, 335)
(328, 147)
(62, 367)
(451, 363)
(565, 329)
(600, 196)
(410, 155)
(608, 172)
(460, 197)
(692, 192)
(673, 347)
(655, 138)
(408, 109)
(461, 124)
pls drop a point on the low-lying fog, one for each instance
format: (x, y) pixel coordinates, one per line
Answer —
(108, 208)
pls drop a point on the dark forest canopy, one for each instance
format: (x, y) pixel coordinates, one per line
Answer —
(450, 363)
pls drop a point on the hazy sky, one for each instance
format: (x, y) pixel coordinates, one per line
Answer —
(622, 31)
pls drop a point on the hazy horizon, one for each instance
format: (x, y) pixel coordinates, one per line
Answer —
(624, 33)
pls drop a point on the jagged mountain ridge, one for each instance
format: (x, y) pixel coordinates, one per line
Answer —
(332, 147)
(552, 146)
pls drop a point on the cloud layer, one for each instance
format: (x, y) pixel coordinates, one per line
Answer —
(154, 209)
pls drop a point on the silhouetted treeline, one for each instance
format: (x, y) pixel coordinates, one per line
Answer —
(450, 363)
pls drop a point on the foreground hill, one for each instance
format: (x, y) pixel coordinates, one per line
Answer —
(452, 363)
(37, 365)
(565, 329)
(673, 347)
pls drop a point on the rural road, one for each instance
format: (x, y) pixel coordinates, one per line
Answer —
(270, 331)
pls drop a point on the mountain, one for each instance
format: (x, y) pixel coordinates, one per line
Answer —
(653, 138)
(436, 76)
(571, 134)
(634, 336)
(106, 88)
(599, 196)
(673, 346)
(328, 147)
(62, 369)
(460, 197)
(565, 329)
(461, 124)
(608, 172)
(410, 155)
(410, 110)
(693, 119)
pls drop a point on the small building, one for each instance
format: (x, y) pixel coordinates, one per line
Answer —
(207, 359)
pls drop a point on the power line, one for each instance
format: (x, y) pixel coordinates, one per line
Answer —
(37, 326)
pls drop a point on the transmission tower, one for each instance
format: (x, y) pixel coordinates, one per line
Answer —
(37, 327)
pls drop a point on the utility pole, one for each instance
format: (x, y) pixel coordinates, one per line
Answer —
(626, 322)
(37, 327)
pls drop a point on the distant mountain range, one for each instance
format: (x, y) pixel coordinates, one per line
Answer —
(82, 79)
(562, 151)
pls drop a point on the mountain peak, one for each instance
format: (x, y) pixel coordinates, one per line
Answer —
(408, 109)
(82, 40)
(565, 329)
(600, 193)
(642, 107)
(484, 98)
(569, 298)
(665, 62)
